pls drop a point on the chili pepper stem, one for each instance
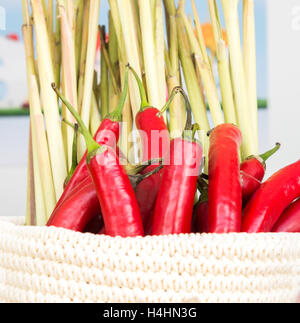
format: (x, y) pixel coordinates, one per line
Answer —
(270, 152)
(175, 90)
(90, 142)
(144, 101)
(116, 115)
(74, 153)
(137, 179)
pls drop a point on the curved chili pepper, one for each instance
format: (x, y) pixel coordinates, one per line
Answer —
(78, 209)
(155, 141)
(88, 218)
(225, 190)
(255, 166)
(119, 207)
(271, 199)
(249, 186)
(107, 134)
(174, 205)
(289, 220)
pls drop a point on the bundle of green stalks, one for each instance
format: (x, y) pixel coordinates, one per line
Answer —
(164, 45)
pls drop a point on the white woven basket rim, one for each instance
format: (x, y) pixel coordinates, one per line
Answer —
(62, 265)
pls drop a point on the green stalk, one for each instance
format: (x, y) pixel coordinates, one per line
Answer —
(104, 79)
(144, 102)
(91, 144)
(116, 115)
(264, 157)
(206, 74)
(74, 154)
(223, 66)
(198, 106)
(244, 117)
(57, 53)
(250, 62)
(106, 57)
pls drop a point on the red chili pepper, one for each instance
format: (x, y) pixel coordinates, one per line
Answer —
(271, 199)
(256, 165)
(174, 205)
(107, 134)
(84, 198)
(119, 207)
(225, 190)
(289, 220)
(249, 186)
(78, 209)
(155, 142)
(201, 209)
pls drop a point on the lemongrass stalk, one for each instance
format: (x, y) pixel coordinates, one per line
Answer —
(43, 152)
(78, 32)
(50, 21)
(223, 66)
(113, 48)
(104, 85)
(160, 48)
(25, 12)
(95, 115)
(113, 53)
(197, 104)
(114, 10)
(41, 215)
(105, 56)
(44, 5)
(149, 51)
(89, 68)
(57, 52)
(70, 77)
(244, 117)
(177, 111)
(84, 42)
(250, 63)
(37, 126)
(30, 206)
(132, 50)
(134, 4)
(206, 74)
(200, 33)
(127, 117)
(51, 111)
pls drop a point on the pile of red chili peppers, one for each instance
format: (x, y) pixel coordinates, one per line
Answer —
(172, 196)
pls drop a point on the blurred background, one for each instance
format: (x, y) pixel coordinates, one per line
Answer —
(278, 71)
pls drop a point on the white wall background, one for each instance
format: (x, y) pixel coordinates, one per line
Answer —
(281, 122)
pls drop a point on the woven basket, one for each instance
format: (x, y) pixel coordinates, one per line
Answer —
(40, 264)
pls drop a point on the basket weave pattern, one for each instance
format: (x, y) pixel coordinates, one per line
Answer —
(56, 265)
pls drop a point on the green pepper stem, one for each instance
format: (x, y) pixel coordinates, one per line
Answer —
(175, 90)
(188, 125)
(144, 101)
(90, 142)
(74, 154)
(270, 152)
(196, 127)
(116, 115)
(74, 150)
